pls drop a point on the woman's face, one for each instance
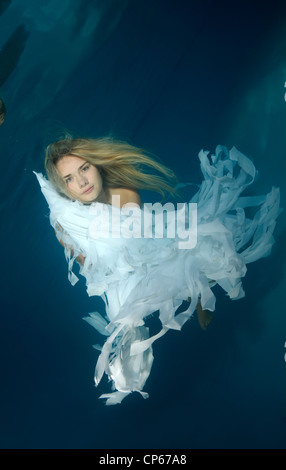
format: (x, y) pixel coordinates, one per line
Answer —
(82, 179)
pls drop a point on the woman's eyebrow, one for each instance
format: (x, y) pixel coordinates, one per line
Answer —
(79, 168)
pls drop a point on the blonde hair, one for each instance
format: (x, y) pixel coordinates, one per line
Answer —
(119, 163)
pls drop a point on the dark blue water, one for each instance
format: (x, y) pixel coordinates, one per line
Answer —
(173, 77)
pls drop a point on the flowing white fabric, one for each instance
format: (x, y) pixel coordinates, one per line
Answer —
(138, 276)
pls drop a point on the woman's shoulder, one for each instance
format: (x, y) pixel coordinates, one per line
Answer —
(126, 196)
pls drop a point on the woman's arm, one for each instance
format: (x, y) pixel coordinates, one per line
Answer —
(79, 258)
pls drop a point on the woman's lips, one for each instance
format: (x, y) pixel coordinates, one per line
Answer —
(88, 190)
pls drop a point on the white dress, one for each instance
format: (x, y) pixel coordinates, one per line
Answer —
(137, 275)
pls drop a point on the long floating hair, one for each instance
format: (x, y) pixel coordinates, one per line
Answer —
(119, 163)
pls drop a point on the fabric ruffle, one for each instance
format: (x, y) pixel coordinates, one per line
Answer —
(137, 276)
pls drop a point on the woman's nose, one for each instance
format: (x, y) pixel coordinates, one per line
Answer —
(82, 181)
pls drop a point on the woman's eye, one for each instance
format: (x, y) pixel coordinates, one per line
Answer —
(68, 180)
(85, 168)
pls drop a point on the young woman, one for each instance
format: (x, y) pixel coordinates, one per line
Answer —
(143, 259)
